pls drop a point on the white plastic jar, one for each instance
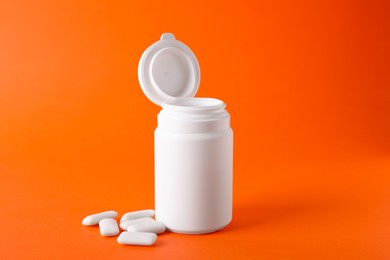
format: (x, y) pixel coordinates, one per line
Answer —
(193, 142)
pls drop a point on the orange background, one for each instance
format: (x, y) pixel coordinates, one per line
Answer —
(307, 84)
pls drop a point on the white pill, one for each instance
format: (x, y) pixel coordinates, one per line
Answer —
(137, 238)
(108, 227)
(152, 227)
(138, 214)
(127, 223)
(95, 218)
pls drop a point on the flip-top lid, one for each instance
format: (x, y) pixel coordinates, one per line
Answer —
(168, 69)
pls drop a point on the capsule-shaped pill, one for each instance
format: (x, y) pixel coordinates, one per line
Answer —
(138, 214)
(108, 227)
(95, 218)
(152, 227)
(127, 223)
(137, 238)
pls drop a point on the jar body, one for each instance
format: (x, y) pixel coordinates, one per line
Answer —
(193, 176)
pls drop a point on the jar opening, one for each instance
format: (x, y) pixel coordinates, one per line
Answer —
(194, 115)
(194, 104)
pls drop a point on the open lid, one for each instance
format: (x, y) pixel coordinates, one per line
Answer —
(168, 69)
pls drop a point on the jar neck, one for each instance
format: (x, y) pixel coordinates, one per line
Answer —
(194, 115)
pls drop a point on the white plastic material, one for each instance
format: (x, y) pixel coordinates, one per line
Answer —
(168, 69)
(152, 227)
(95, 218)
(137, 238)
(146, 213)
(193, 166)
(108, 227)
(193, 142)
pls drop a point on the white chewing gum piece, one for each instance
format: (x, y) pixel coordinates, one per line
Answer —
(138, 214)
(108, 227)
(152, 227)
(127, 223)
(95, 218)
(137, 238)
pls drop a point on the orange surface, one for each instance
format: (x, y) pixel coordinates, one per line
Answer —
(307, 84)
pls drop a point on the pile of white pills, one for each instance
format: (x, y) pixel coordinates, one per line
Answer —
(140, 227)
